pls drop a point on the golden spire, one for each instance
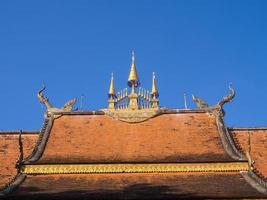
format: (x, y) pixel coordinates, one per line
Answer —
(133, 77)
(154, 90)
(154, 93)
(111, 92)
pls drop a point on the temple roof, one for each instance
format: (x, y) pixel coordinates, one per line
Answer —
(154, 185)
(178, 137)
(133, 144)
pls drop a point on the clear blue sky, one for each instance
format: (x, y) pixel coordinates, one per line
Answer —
(73, 46)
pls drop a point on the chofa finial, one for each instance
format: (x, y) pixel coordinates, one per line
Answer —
(43, 99)
(201, 104)
(228, 98)
(68, 106)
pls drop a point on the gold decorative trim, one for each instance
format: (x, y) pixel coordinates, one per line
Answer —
(133, 168)
(132, 116)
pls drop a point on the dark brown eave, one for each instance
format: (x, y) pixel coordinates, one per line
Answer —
(200, 186)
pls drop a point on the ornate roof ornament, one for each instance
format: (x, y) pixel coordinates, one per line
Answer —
(136, 106)
(68, 106)
(111, 91)
(154, 90)
(111, 94)
(200, 103)
(218, 108)
(133, 77)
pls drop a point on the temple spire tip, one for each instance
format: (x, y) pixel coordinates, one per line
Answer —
(133, 77)
(132, 55)
(154, 90)
(111, 92)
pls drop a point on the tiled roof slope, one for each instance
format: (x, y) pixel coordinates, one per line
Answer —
(97, 138)
(184, 137)
(9, 153)
(258, 145)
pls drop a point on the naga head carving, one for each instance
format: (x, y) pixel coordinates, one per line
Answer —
(68, 106)
(42, 99)
(50, 108)
(202, 105)
(229, 97)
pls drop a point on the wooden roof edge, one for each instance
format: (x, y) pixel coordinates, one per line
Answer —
(246, 128)
(17, 132)
(12, 185)
(255, 181)
(101, 112)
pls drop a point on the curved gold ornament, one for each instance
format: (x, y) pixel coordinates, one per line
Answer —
(132, 116)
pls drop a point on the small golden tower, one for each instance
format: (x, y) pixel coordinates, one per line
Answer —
(111, 94)
(133, 77)
(139, 99)
(133, 82)
(154, 93)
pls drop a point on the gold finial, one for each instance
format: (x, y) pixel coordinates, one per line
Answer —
(154, 90)
(111, 92)
(154, 93)
(133, 77)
